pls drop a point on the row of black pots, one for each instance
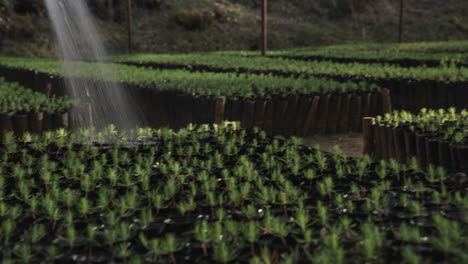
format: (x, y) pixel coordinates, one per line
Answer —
(37, 81)
(399, 62)
(294, 115)
(305, 115)
(401, 144)
(412, 96)
(33, 122)
(407, 94)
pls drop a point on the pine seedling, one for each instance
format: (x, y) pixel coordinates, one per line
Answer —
(69, 197)
(373, 240)
(321, 160)
(409, 234)
(125, 233)
(187, 206)
(202, 234)
(325, 187)
(84, 206)
(410, 257)
(159, 201)
(250, 212)
(224, 253)
(172, 246)
(381, 170)
(123, 250)
(322, 213)
(310, 174)
(8, 226)
(233, 228)
(24, 253)
(147, 217)
(302, 219)
(111, 236)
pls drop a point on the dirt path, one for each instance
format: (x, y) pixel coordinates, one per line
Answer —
(350, 143)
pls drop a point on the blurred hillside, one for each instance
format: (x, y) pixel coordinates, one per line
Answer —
(205, 25)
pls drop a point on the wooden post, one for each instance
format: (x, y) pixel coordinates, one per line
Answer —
(264, 27)
(129, 29)
(368, 135)
(387, 101)
(219, 109)
(400, 29)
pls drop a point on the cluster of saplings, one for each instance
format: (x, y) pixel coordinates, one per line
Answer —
(202, 83)
(17, 99)
(237, 62)
(434, 136)
(207, 194)
(436, 53)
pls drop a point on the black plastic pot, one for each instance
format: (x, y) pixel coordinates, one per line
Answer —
(410, 144)
(333, 114)
(20, 123)
(48, 123)
(462, 158)
(6, 122)
(228, 109)
(344, 117)
(432, 151)
(391, 149)
(421, 148)
(259, 116)
(399, 143)
(322, 114)
(35, 122)
(377, 144)
(355, 113)
(443, 148)
(61, 120)
(290, 116)
(382, 134)
(268, 122)
(278, 113)
(248, 113)
(303, 109)
(236, 106)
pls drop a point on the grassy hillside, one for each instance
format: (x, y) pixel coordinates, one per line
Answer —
(201, 25)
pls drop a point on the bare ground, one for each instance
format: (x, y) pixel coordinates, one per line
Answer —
(350, 143)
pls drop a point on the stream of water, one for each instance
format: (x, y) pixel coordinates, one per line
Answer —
(77, 39)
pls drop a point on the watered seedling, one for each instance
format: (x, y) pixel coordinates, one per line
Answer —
(138, 204)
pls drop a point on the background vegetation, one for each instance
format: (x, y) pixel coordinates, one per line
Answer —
(203, 25)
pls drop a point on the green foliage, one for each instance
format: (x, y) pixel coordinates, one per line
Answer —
(15, 98)
(93, 196)
(203, 83)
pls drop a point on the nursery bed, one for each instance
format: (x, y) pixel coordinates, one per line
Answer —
(217, 194)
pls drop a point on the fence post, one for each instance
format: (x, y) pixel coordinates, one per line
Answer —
(219, 109)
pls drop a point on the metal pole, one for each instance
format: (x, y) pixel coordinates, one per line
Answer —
(400, 30)
(264, 27)
(129, 16)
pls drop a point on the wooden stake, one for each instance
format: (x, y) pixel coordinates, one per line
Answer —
(400, 28)
(219, 109)
(264, 27)
(368, 135)
(129, 24)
